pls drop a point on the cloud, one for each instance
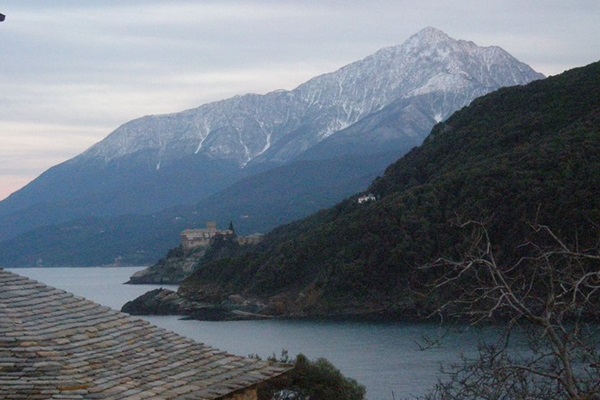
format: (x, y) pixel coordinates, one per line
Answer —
(77, 70)
(28, 149)
(30, 144)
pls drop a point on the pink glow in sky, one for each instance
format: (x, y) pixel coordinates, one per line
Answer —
(71, 72)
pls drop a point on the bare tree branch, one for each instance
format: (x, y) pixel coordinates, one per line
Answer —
(545, 296)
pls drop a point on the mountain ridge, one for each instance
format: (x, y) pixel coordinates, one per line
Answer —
(156, 162)
(397, 62)
(514, 158)
(143, 239)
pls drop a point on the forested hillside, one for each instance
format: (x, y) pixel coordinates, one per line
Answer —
(519, 156)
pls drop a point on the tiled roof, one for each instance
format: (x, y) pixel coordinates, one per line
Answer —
(55, 345)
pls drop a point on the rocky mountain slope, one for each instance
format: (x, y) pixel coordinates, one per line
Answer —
(278, 126)
(143, 160)
(256, 204)
(519, 156)
(387, 102)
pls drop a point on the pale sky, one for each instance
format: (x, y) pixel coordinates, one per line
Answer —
(73, 71)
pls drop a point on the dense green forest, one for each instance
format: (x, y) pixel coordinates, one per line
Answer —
(258, 203)
(519, 156)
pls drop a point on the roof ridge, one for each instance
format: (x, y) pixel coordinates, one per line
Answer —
(68, 344)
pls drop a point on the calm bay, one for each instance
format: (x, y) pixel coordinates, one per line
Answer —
(383, 356)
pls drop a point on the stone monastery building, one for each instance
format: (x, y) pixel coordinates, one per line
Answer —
(191, 238)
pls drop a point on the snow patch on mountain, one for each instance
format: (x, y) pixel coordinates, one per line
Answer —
(281, 124)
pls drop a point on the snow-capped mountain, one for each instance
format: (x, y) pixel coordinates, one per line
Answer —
(388, 101)
(280, 125)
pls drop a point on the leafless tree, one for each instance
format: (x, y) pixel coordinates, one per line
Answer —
(547, 298)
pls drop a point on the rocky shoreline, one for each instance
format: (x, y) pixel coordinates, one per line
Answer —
(168, 302)
(211, 302)
(171, 270)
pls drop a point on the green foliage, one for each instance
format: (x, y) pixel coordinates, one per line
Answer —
(175, 252)
(254, 204)
(222, 246)
(520, 155)
(314, 380)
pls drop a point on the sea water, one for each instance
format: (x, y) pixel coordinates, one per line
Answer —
(385, 357)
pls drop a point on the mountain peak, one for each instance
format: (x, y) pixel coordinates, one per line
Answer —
(429, 35)
(277, 127)
(397, 94)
